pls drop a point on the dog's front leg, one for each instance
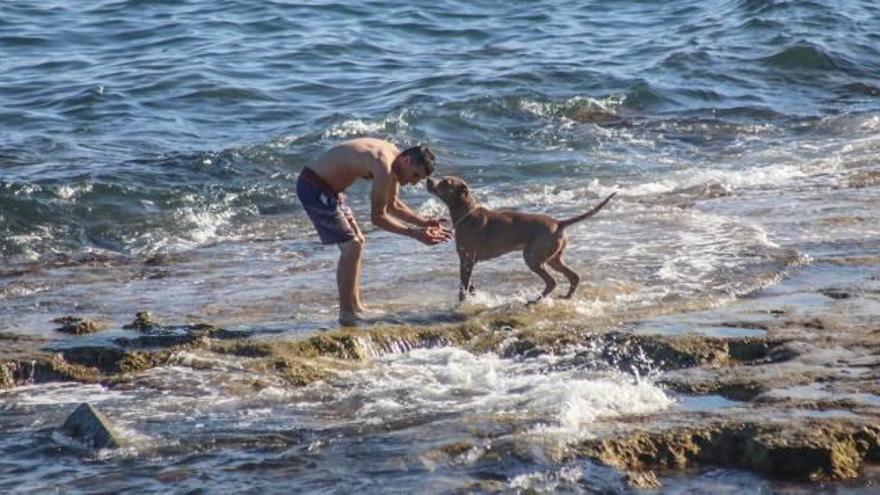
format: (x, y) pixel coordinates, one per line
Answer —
(466, 267)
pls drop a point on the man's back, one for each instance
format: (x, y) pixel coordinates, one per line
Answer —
(345, 163)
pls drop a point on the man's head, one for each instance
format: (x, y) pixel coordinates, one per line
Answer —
(413, 164)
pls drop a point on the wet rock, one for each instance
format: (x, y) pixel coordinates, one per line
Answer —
(487, 486)
(787, 352)
(836, 293)
(810, 450)
(508, 336)
(75, 325)
(642, 479)
(190, 336)
(457, 449)
(863, 178)
(143, 321)
(109, 362)
(670, 352)
(9, 375)
(24, 362)
(91, 428)
(43, 369)
(753, 350)
(154, 274)
(160, 259)
(738, 389)
(28, 360)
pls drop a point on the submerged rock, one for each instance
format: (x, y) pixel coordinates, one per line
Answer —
(75, 325)
(91, 428)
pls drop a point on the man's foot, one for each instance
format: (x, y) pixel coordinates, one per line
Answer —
(349, 319)
(372, 314)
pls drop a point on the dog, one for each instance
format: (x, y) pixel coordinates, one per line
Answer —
(482, 234)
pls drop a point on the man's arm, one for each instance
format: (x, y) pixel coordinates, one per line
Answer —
(403, 212)
(384, 191)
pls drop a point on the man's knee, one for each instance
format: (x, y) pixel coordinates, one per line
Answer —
(352, 247)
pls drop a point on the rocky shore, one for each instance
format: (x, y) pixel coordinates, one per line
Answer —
(804, 395)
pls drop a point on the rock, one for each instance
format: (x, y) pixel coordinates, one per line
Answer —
(75, 325)
(88, 426)
(24, 361)
(810, 450)
(834, 293)
(642, 479)
(143, 321)
(863, 178)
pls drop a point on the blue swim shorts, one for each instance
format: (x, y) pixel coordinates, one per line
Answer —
(325, 208)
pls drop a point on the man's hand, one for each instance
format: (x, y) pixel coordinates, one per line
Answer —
(436, 222)
(432, 235)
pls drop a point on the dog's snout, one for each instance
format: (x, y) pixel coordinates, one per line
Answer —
(429, 184)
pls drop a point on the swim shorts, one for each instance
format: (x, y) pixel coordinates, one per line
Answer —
(325, 207)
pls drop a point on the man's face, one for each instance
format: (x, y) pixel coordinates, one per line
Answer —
(411, 174)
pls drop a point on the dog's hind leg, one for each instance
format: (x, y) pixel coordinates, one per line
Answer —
(573, 278)
(535, 256)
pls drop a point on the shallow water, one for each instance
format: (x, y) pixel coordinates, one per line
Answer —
(147, 159)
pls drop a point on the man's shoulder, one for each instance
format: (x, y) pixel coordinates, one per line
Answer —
(375, 146)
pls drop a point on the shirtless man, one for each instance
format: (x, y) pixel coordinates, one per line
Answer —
(320, 190)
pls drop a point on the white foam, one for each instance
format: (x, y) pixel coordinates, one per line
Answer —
(481, 298)
(543, 195)
(24, 242)
(547, 481)
(359, 127)
(606, 105)
(60, 393)
(191, 226)
(454, 380)
(694, 179)
(68, 192)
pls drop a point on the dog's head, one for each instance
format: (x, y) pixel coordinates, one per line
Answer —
(451, 190)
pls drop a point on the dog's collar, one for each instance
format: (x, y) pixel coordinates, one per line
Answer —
(464, 216)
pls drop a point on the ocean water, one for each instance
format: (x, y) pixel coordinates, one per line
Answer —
(149, 149)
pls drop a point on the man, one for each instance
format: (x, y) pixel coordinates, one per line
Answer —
(320, 190)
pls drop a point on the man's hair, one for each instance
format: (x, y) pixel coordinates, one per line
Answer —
(421, 155)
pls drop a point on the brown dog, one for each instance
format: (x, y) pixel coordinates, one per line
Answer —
(482, 234)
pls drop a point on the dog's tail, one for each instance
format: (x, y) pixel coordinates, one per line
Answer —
(565, 223)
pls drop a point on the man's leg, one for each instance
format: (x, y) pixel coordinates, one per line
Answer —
(347, 275)
(358, 303)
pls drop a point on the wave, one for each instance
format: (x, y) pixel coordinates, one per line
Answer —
(183, 200)
(581, 109)
(806, 56)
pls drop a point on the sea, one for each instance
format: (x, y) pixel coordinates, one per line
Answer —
(149, 151)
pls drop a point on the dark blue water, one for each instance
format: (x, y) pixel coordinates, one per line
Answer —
(148, 152)
(117, 119)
